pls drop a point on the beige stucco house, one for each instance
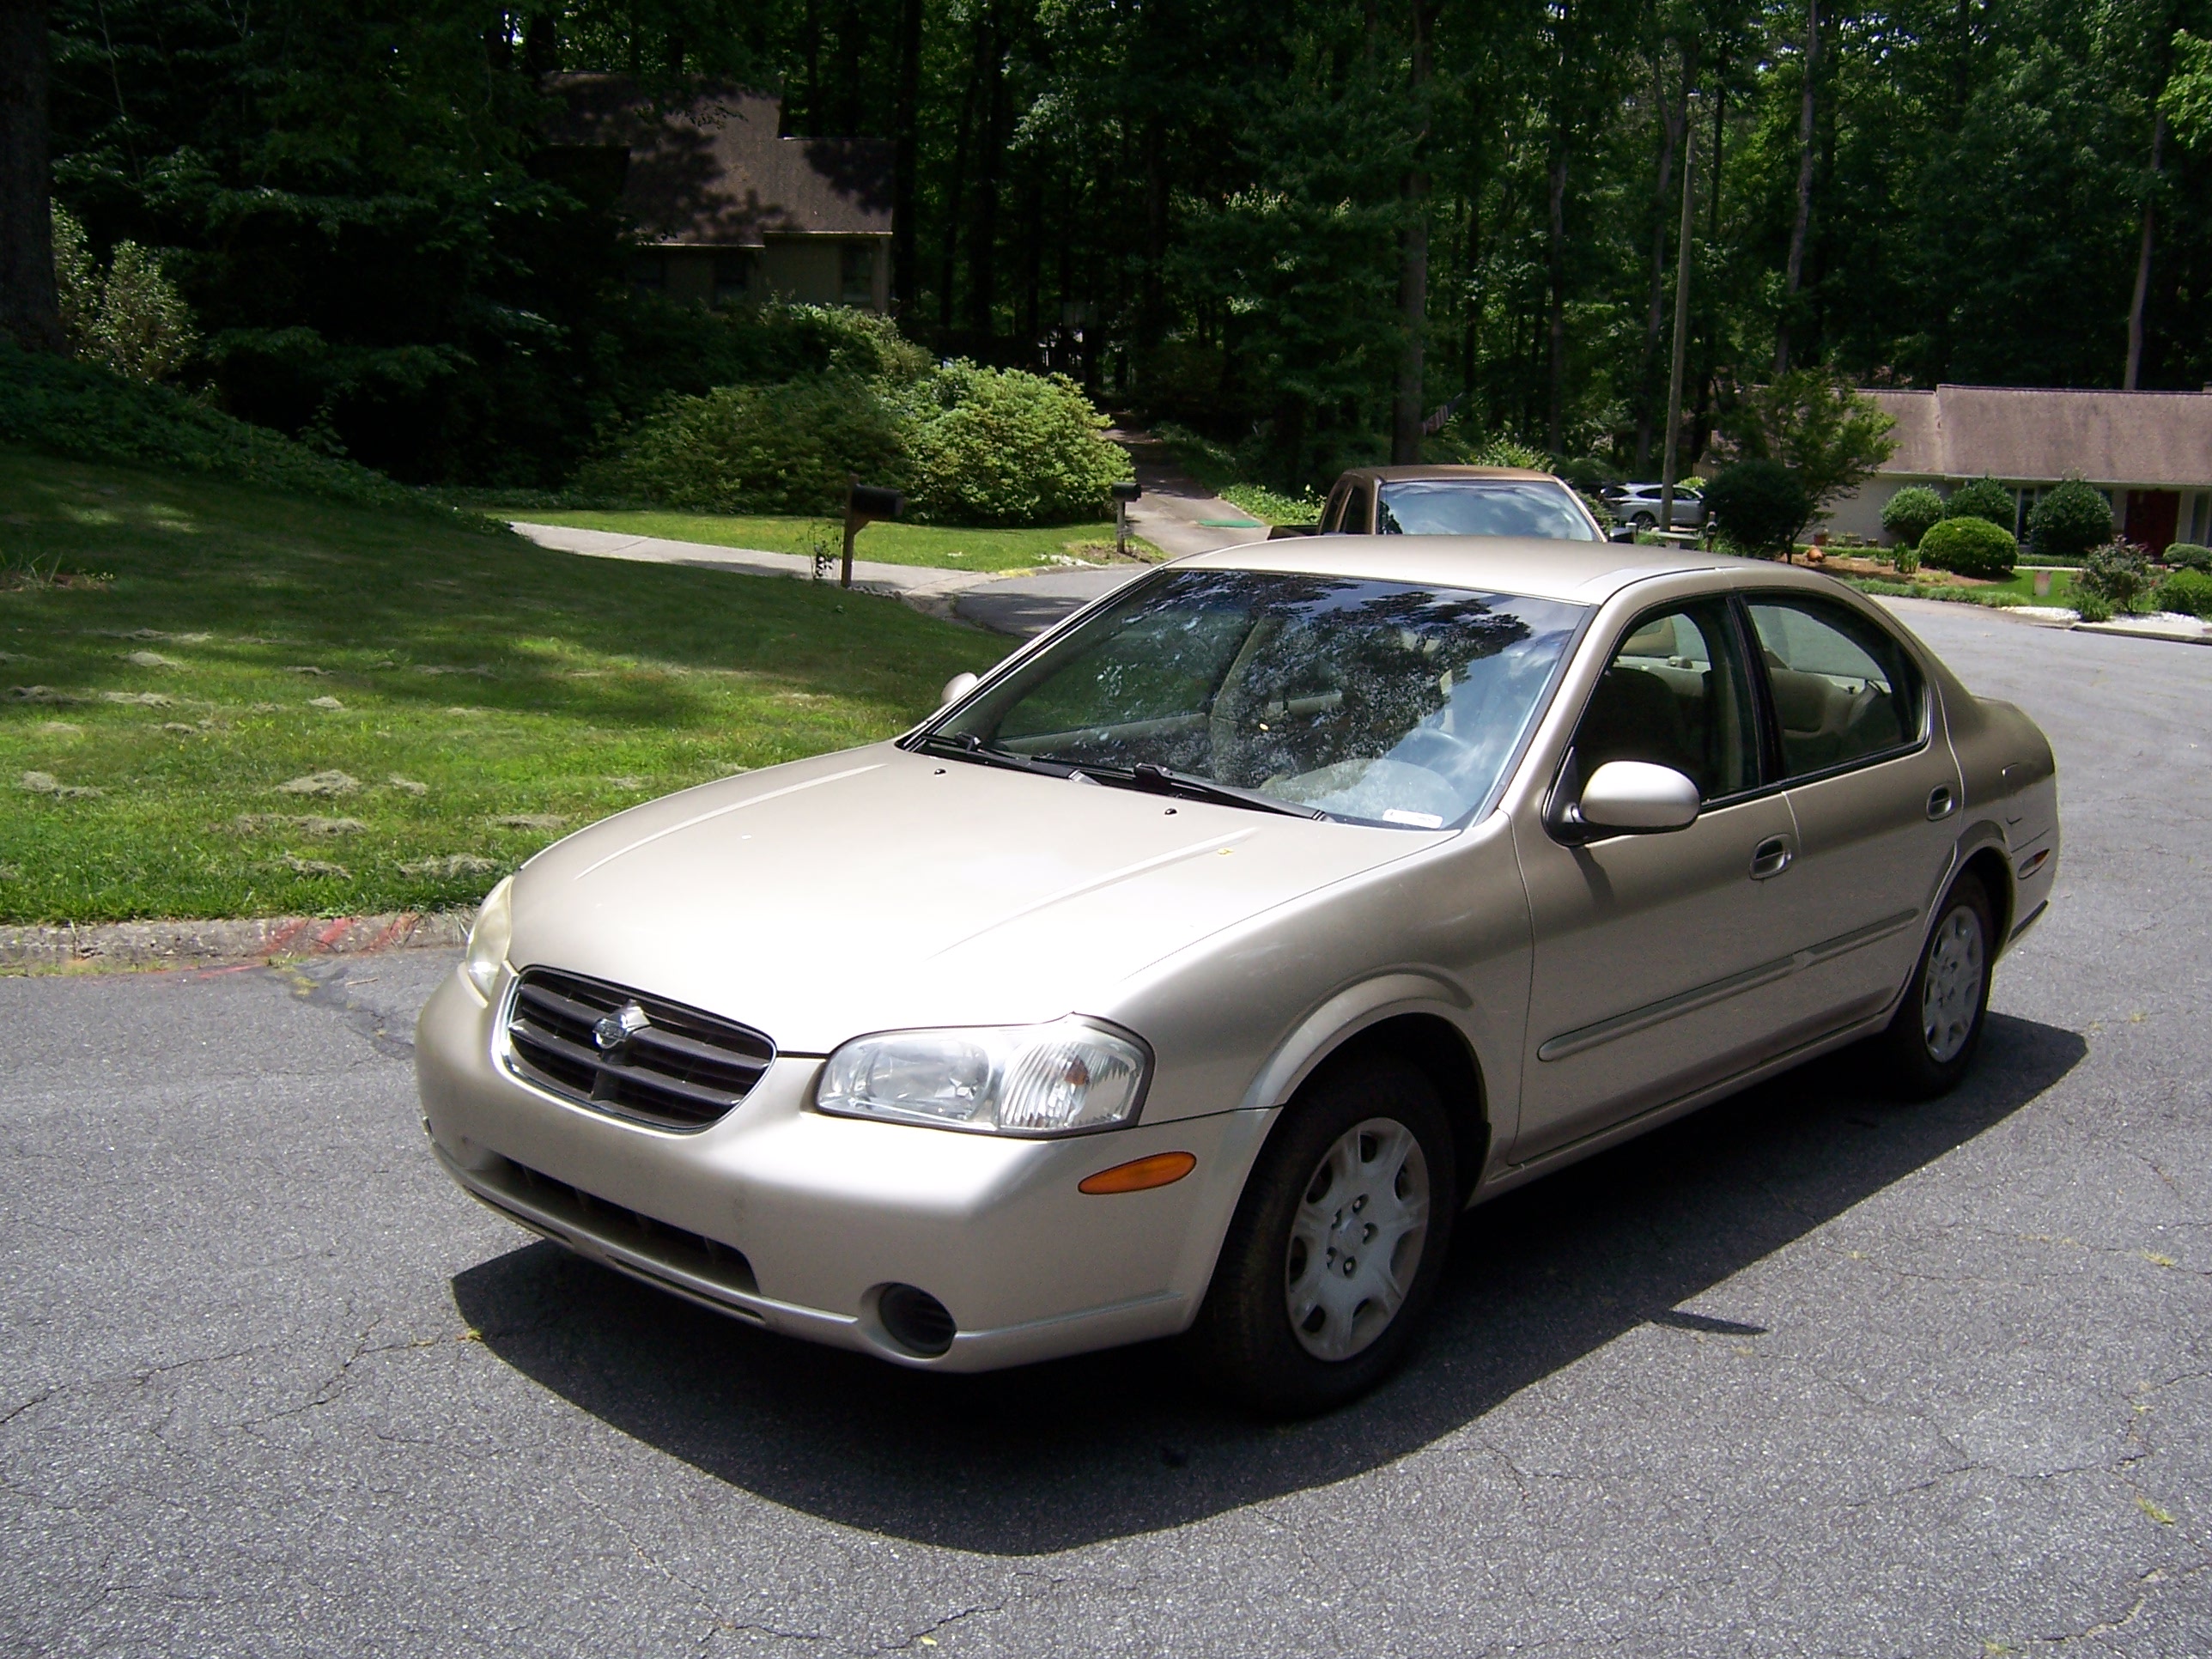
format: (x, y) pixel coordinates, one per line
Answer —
(2150, 452)
(724, 209)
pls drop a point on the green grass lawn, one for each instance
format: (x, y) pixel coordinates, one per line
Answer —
(934, 546)
(275, 704)
(2018, 589)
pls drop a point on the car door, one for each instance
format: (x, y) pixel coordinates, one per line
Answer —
(1871, 791)
(1655, 959)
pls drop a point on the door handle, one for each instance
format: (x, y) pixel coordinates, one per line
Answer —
(1770, 858)
(1941, 802)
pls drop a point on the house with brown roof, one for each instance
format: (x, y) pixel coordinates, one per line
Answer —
(726, 209)
(2150, 453)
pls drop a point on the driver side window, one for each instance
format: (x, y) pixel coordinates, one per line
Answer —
(1675, 694)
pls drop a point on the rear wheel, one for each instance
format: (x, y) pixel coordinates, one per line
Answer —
(1932, 1040)
(1334, 1255)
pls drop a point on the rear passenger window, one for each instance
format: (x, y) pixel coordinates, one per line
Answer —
(1675, 695)
(1844, 689)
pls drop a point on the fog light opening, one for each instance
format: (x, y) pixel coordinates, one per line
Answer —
(915, 1320)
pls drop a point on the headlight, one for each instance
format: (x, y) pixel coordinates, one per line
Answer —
(1066, 1078)
(488, 940)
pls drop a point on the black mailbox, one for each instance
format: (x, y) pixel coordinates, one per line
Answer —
(873, 501)
(1128, 490)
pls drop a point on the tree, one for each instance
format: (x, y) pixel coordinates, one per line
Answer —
(1830, 436)
(29, 312)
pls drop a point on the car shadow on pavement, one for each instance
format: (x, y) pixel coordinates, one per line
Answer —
(1054, 1457)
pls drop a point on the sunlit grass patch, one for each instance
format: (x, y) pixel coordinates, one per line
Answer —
(305, 706)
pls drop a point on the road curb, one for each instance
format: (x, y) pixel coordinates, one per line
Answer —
(194, 944)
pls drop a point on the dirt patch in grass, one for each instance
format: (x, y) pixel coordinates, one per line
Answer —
(286, 706)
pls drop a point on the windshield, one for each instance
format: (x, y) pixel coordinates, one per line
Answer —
(1385, 703)
(1482, 506)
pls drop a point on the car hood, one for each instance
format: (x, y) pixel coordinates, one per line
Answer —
(875, 889)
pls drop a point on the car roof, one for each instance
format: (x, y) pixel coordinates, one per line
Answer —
(1580, 573)
(1441, 474)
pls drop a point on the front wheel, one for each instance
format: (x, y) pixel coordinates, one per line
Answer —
(1334, 1251)
(1931, 1040)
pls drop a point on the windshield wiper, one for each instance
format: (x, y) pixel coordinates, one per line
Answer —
(967, 747)
(1161, 780)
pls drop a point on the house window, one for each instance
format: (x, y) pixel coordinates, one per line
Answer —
(649, 273)
(856, 267)
(733, 276)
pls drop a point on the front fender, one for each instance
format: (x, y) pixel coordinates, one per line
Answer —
(1343, 1016)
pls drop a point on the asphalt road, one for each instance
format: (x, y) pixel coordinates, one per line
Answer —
(1808, 1374)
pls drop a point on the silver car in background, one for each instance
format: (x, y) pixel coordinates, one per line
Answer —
(1195, 969)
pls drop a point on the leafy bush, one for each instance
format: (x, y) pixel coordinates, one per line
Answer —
(2188, 555)
(2116, 574)
(1908, 515)
(1908, 559)
(1587, 474)
(2188, 591)
(1759, 506)
(89, 412)
(786, 448)
(1985, 498)
(130, 316)
(2071, 518)
(1814, 421)
(2090, 608)
(1000, 447)
(1971, 547)
(1504, 450)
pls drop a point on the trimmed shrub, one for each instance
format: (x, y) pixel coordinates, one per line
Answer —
(1909, 514)
(1506, 450)
(1759, 506)
(2188, 555)
(1985, 498)
(1970, 547)
(2069, 520)
(2115, 576)
(787, 448)
(89, 412)
(2188, 591)
(1000, 447)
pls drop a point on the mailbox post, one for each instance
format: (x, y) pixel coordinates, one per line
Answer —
(864, 505)
(1124, 493)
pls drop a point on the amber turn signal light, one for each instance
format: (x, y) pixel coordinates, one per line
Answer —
(1139, 1174)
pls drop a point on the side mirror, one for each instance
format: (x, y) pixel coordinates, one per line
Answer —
(1637, 798)
(961, 684)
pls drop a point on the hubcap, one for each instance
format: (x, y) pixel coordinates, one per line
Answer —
(1951, 990)
(1357, 1238)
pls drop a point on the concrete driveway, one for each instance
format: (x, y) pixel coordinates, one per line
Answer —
(1811, 1373)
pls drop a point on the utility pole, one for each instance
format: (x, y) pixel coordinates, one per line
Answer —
(1681, 318)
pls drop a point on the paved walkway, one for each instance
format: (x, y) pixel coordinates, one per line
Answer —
(902, 580)
(1175, 514)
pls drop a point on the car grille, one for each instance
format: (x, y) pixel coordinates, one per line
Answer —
(629, 1054)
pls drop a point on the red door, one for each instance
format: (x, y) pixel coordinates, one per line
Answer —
(2153, 515)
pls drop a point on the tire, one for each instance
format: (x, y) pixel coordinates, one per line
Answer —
(1932, 1040)
(1645, 521)
(1296, 1321)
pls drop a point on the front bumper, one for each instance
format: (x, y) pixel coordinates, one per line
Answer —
(796, 1221)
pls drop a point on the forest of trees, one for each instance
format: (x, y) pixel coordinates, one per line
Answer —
(1303, 226)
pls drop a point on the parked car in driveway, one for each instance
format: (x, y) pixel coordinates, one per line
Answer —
(1638, 504)
(1451, 501)
(1192, 971)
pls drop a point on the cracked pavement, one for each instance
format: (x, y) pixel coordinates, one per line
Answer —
(1811, 1373)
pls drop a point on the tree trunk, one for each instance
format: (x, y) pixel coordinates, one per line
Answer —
(1413, 269)
(954, 190)
(541, 43)
(983, 245)
(1794, 271)
(906, 101)
(1556, 261)
(30, 314)
(2142, 259)
(1670, 134)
